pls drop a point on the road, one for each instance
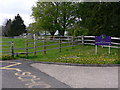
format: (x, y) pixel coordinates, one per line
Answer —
(82, 76)
(30, 74)
(19, 74)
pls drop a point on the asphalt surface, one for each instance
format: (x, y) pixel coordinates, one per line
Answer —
(19, 74)
(30, 75)
(82, 76)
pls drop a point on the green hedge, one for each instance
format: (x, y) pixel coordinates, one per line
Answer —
(7, 57)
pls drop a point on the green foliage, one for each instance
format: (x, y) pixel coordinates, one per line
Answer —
(81, 31)
(90, 58)
(15, 27)
(103, 18)
(66, 16)
(45, 15)
(34, 28)
(7, 29)
(80, 54)
(95, 18)
(7, 57)
(53, 16)
(83, 54)
(117, 61)
(77, 31)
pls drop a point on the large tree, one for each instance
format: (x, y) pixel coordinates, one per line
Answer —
(93, 18)
(18, 27)
(66, 17)
(53, 16)
(45, 15)
(15, 27)
(103, 18)
(7, 28)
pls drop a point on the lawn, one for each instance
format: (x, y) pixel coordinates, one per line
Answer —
(82, 54)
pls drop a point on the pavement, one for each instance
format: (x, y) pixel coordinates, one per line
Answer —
(19, 74)
(82, 76)
(30, 74)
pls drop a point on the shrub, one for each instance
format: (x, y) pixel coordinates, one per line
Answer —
(6, 57)
(117, 61)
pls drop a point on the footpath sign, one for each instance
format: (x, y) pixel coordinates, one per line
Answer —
(102, 40)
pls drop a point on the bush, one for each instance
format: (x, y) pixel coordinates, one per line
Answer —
(6, 57)
(117, 62)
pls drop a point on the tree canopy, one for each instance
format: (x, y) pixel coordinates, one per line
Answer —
(93, 18)
(15, 27)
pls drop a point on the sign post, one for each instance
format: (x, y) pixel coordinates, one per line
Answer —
(102, 40)
(95, 49)
(109, 49)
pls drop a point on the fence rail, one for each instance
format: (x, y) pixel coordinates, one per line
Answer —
(59, 41)
(5, 50)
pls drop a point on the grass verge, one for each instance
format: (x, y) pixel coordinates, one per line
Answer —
(82, 54)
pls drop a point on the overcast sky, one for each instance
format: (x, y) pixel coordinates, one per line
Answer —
(10, 8)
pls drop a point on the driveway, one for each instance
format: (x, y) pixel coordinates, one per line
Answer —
(30, 74)
(19, 74)
(82, 76)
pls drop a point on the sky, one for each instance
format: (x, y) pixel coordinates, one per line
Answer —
(10, 8)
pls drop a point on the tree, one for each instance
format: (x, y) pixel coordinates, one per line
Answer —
(103, 18)
(45, 17)
(7, 29)
(66, 17)
(17, 27)
(93, 18)
(53, 16)
(77, 31)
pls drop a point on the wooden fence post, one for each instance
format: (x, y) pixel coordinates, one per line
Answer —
(45, 45)
(26, 48)
(77, 40)
(72, 41)
(69, 40)
(12, 49)
(34, 47)
(82, 38)
(60, 44)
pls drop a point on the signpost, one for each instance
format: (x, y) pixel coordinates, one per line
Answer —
(102, 40)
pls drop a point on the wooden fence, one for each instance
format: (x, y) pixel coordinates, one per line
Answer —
(5, 48)
(70, 41)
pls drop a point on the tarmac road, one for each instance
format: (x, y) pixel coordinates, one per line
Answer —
(87, 76)
(19, 74)
(30, 75)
